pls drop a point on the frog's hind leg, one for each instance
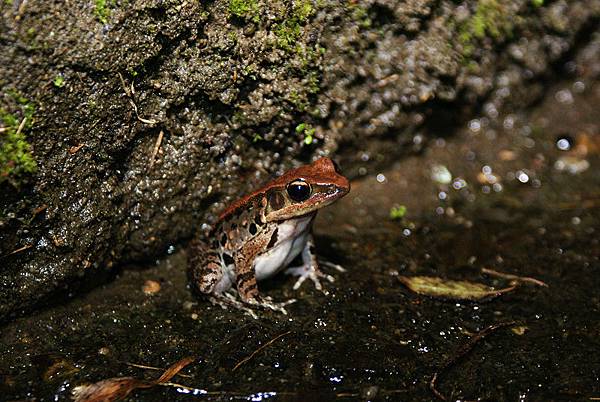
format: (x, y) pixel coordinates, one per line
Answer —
(310, 268)
(204, 267)
(246, 276)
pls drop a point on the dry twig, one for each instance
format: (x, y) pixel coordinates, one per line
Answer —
(257, 351)
(25, 247)
(156, 148)
(130, 92)
(21, 126)
(513, 277)
(154, 368)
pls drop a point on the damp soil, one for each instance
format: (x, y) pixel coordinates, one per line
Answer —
(517, 193)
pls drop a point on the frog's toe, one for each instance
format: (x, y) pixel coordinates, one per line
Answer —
(268, 303)
(337, 267)
(304, 272)
(228, 299)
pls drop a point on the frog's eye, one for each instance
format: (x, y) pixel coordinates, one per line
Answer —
(299, 190)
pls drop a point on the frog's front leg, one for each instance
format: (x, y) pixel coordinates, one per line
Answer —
(246, 276)
(310, 268)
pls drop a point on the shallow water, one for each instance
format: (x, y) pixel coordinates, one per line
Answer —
(509, 206)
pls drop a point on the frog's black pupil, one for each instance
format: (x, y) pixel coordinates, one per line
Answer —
(298, 190)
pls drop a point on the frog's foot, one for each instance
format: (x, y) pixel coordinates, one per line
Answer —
(267, 303)
(309, 271)
(228, 299)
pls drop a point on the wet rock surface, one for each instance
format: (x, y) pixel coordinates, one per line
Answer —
(149, 115)
(516, 192)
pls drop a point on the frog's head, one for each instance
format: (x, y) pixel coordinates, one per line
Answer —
(304, 190)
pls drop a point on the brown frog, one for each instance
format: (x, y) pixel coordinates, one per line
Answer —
(262, 232)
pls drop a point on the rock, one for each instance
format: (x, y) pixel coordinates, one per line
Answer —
(226, 83)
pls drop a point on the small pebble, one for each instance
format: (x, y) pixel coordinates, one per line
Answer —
(151, 287)
(369, 392)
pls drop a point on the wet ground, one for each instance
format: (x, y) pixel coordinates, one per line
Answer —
(517, 193)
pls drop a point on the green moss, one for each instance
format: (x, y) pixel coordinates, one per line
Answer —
(287, 33)
(537, 3)
(360, 15)
(491, 19)
(308, 131)
(397, 212)
(289, 30)
(247, 9)
(298, 100)
(102, 9)
(313, 81)
(59, 81)
(303, 10)
(232, 36)
(16, 159)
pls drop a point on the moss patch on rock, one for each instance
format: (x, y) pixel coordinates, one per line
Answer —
(16, 159)
(492, 19)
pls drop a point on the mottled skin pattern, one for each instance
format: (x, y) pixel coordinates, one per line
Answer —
(261, 233)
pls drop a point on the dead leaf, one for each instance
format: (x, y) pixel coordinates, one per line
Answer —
(174, 369)
(115, 389)
(519, 330)
(449, 289)
(151, 287)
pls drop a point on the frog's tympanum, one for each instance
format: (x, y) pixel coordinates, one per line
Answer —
(262, 232)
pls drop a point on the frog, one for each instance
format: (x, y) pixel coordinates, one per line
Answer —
(261, 233)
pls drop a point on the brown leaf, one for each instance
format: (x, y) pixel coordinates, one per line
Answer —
(174, 369)
(113, 389)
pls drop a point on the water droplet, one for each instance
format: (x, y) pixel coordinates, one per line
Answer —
(522, 176)
(564, 96)
(564, 142)
(459, 183)
(578, 87)
(475, 125)
(440, 174)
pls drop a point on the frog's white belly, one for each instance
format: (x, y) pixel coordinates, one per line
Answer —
(292, 236)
